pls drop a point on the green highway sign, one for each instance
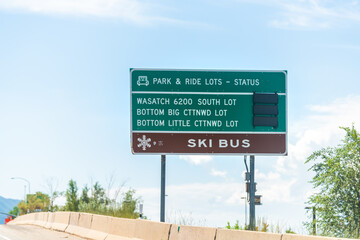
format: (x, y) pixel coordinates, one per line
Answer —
(208, 111)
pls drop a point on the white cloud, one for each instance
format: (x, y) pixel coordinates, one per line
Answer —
(126, 9)
(134, 11)
(315, 14)
(311, 14)
(218, 173)
(275, 187)
(278, 191)
(197, 159)
(321, 128)
(304, 14)
(298, 14)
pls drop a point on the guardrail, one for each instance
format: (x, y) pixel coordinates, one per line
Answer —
(8, 214)
(98, 227)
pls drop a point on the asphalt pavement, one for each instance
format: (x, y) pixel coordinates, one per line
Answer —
(29, 232)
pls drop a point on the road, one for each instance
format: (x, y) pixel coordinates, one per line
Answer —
(28, 232)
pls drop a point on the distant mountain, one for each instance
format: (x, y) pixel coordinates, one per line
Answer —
(6, 205)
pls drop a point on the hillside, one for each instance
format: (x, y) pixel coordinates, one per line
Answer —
(5, 206)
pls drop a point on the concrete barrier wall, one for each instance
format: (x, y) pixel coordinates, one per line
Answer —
(50, 220)
(31, 218)
(97, 227)
(179, 232)
(73, 222)
(121, 229)
(61, 221)
(149, 230)
(28, 219)
(79, 223)
(36, 218)
(225, 234)
(16, 221)
(43, 219)
(301, 237)
(19, 220)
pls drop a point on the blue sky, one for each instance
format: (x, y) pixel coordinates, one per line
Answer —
(65, 94)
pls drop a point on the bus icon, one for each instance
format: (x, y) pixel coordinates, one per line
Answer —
(142, 80)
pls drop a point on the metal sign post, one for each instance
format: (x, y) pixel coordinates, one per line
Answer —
(162, 193)
(252, 193)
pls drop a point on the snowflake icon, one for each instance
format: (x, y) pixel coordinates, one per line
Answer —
(144, 142)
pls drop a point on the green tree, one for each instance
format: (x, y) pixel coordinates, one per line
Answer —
(52, 184)
(85, 195)
(290, 231)
(236, 226)
(128, 206)
(97, 202)
(15, 211)
(38, 202)
(337, 180)
(53, 196)
(34, 202)
(228, 226)
(72, 201)
(98, 195)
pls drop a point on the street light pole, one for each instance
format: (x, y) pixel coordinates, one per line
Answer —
(24, 193)
(245, 200)
(24, 179)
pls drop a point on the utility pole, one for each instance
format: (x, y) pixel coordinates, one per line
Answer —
(251, 189)
(313, 219)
